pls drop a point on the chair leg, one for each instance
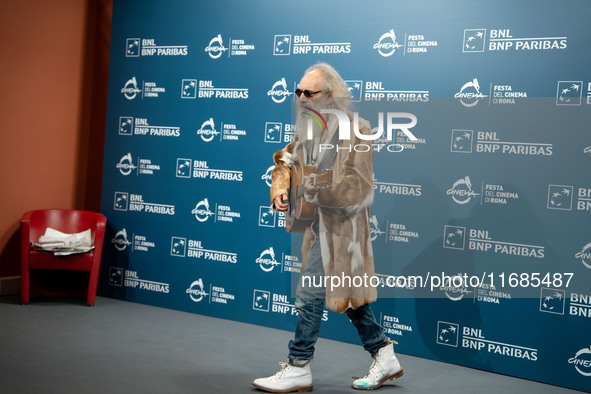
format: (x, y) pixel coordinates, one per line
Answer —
(92, 285)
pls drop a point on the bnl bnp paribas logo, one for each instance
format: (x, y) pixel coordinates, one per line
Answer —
(502, 40)
(565, 197)
(279, 132)
(571, 93)
(355, 89)
(470, 93)
(286, 44)
(136, 47)
(192, 88)
(270, 218)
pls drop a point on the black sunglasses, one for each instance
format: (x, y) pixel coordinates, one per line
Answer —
(307, 93)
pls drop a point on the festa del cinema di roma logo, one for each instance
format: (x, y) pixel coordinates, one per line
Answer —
(582, 361)
(345, 127)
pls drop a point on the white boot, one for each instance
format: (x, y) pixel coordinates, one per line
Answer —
(385, 366)
(289, 379)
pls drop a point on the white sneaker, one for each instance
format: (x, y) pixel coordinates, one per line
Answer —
(289, 379)
(385, 366)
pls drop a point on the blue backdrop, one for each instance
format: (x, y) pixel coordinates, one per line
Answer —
(496, 189)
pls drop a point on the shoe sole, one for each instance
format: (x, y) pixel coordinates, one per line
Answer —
(299, 389)
(377, 386)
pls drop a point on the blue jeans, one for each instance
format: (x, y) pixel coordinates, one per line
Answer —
(310, 306)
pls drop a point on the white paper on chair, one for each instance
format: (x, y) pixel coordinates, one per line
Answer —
(62, 244)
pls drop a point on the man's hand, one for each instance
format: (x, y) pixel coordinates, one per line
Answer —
(281, 202)
(309, 184)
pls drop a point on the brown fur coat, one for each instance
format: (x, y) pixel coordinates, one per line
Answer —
(344, 228)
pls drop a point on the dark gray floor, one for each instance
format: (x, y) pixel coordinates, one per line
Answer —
(62, 346)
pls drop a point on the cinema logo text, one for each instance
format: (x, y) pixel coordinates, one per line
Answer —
(120, 241)
(196, 291)
(506, 94)
(387, 45)
(487, 292)
(143, 167)
(470, 94)
(229, 131)
(140, 242)
(221, 213)
(267, 176)
(585, 255)
(130, 89)
(374, 228)
(267, 261)
(217, 294)
(462, 192)
(582, 361)
(455, 290)
(279, 91)
(216, 47)
(401, 233)
(393, 326)
(149, 89)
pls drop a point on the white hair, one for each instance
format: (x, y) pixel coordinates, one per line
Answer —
(335, 85)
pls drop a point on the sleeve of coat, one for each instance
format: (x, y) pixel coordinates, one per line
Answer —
(353, 190)
(281, 174)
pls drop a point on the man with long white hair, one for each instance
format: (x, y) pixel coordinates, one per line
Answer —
(336, 243)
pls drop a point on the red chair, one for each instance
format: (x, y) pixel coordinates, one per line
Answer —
(33, 225)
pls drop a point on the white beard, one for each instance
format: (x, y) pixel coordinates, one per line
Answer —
(308, 131)
(305, 124)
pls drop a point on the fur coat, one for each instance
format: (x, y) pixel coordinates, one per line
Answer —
(344, 228)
